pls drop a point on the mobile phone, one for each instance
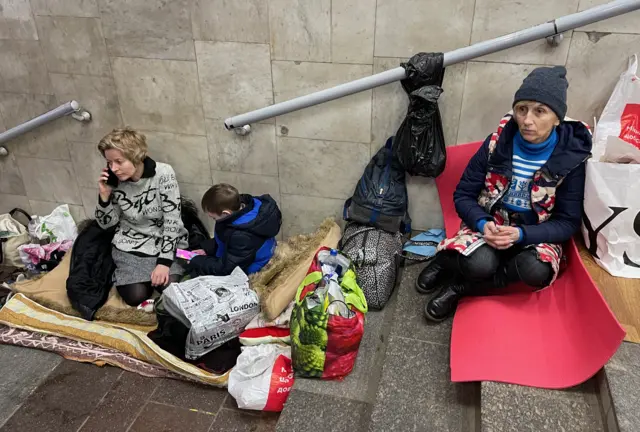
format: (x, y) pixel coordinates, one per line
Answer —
(113, 179)
(185, 254)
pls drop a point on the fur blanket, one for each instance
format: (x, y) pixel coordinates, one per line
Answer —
(277, 283)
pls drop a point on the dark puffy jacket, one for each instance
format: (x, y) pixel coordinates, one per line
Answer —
(244, 239)
(560, 182)
(91, 270)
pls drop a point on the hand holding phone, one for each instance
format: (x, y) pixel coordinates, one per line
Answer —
(106, 183)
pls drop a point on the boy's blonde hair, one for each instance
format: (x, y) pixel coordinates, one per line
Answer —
(130, 142)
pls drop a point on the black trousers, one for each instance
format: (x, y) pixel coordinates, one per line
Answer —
(487, 267)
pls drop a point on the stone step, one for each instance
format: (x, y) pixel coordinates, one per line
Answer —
(620, 390)
(415, 392)
(401, 382)
(512, 408)
(315, 404)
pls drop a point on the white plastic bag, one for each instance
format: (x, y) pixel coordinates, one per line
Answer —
(611, 222)
(262, 377)
(215, 308)
(55, 227)
(619, 151)
(621, 115)
(13, 234)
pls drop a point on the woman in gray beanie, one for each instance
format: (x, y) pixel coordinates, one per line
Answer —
(519, 198)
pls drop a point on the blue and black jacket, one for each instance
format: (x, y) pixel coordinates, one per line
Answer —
(559, 183)
(244, 239)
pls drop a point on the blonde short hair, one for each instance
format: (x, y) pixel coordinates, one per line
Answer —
(131, 143)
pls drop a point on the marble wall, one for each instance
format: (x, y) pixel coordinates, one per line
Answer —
(176, 69)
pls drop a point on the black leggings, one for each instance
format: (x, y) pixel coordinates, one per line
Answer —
(134, 294)
(500, 268)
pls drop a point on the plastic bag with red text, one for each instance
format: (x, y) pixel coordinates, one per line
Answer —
(262, 377)
(620, 118)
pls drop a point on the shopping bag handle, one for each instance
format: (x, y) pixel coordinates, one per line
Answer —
(632, 69)
(344, 240)
(19, 210)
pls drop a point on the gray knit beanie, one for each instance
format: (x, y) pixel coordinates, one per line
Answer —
(547, 85)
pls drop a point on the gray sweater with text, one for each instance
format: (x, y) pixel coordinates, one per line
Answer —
(147, 214)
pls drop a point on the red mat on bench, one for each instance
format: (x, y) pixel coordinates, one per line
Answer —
(555, 338)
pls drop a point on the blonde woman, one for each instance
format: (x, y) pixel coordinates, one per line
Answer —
(141, 198)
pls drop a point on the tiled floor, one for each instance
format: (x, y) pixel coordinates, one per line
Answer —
(86, 398)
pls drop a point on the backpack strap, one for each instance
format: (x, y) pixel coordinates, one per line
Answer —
(375, 214)
(345, 209)
(389, 145)
(405, 225)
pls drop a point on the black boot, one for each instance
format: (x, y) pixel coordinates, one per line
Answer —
(433, 276)
(444, 303)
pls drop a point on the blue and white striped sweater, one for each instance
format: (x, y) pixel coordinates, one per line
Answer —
(527, 159)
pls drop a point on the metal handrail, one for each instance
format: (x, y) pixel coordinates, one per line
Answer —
(70, 108)
(552, 29)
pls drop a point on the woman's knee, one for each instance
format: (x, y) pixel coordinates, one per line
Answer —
(134, 294)
(526, 267)
(481, 264)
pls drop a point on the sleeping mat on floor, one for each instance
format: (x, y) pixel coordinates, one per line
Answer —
(555, 338)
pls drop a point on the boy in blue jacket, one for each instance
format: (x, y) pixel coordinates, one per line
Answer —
(245, 232)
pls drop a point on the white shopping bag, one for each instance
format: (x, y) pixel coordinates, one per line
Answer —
(55, 227)
(621, 115)
(215, 308)
(262, 377)
(611, 220)
(619, 151)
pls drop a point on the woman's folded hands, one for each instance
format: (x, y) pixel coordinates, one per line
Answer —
(500, 236)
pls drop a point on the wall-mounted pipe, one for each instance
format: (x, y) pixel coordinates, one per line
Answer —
(545, 30)
(69, 108)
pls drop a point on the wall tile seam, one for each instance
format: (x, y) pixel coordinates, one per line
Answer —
(299, 62)
(310, 196)
(153, 131)
(228, 41)
(273, 98)
(343, 198)
(20, 39)
(51, 159)
(233, 172)
(114, 57)
(64, 16)
(322, 140)
(53, 202)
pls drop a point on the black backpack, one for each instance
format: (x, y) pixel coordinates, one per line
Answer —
(380, 198)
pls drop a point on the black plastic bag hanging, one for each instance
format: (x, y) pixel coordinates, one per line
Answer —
(419, 142)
